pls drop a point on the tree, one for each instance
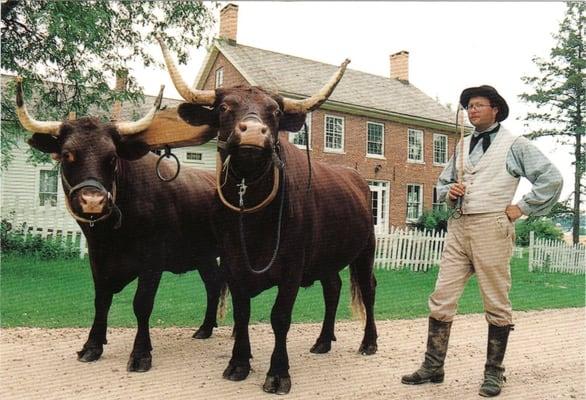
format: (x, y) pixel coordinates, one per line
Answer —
(68, 51)
(560, 98)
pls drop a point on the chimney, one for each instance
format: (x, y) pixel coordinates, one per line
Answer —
(400, 66)
(121, 82)
(229, 22)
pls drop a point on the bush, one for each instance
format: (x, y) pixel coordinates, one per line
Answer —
(434, 220)
(17, 240)
(544, 228)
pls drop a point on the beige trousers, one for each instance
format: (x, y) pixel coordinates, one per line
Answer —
(480, 244)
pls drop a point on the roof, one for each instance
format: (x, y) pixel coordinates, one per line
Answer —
(299, 78)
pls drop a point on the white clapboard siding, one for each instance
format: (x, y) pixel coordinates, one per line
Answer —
(553, 256)
(411, 249)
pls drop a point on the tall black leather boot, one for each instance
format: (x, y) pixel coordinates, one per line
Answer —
(494, 370)
(432, 369)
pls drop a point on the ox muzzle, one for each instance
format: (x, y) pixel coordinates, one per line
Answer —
(90, 202)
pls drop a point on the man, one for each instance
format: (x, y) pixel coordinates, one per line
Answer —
(481, 240)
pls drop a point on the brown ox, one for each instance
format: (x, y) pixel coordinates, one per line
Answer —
(271, 229)
(135, 224)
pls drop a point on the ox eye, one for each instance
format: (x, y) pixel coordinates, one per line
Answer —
(223, 107)
(278, 113)
(67, 156)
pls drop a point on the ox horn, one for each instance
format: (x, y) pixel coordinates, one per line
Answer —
(201, 97)
(310, 104)
(130, 128)
(28, 122)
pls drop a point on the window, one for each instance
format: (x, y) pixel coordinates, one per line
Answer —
(220, 77)
(379, 193)
(48, 188)
(415, 149)
(298, 138)
(440, 149)
(191, 156)
(414, 202)
(334, 134)
(375, 139)
(437, 205)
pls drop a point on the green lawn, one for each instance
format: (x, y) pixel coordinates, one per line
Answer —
(60, 294)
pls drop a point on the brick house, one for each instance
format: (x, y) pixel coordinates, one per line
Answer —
(396, 136)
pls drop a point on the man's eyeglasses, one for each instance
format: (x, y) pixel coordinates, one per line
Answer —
(471, 107)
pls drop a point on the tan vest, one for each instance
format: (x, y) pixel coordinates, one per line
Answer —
(489, 187)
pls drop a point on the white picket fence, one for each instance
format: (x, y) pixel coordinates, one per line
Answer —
(551, 256)
(47, 222)
(411, 249)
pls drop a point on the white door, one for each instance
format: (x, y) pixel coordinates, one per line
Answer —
(380, 205)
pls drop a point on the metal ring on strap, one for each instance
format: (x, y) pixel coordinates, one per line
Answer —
(263, 204)
(167, 154)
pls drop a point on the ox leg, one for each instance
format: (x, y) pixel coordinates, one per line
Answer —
(144, 299)
(94, 346)
(214, 282)
(331, 289)
(239, 365)
(278, 380)
(361, 273)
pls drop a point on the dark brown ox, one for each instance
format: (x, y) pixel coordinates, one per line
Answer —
(271, 229)
(136, 225)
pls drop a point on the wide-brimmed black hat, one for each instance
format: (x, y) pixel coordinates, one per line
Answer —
(490, 93)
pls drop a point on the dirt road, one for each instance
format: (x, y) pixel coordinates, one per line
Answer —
(545, 361)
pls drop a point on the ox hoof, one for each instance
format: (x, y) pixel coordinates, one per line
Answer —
(321, 347)
(139, 363)
(236, 372)
(89, 354)
(203, 332)
(277, 384)
(368, 349)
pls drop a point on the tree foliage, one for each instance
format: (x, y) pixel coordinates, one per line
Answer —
(68, 51)
(559, 95)
(544, 228)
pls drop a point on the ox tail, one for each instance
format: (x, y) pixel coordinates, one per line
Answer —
(357, 303)
(222, 305)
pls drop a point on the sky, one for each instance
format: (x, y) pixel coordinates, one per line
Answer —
(451, 45)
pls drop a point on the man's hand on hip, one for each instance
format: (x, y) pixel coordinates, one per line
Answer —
(513, 212)
(456, 190)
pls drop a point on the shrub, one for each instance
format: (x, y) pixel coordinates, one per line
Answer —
(17, 240)
(433, 220)
(544, 228)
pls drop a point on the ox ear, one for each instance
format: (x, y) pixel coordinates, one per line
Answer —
(197, 115)
(292, 122)
(131, 149)
(45, 143)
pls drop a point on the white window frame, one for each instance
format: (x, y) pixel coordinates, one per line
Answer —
(329, 149)
(420, 206)
(374, 155)
(382, 186)
(419, 133)
(47, 203)
(292, 135)
(445, 137)
(219, 78)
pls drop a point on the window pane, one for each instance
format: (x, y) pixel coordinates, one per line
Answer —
(440, 145)
(375, 139)
(48, 188)
(415, 145)
(334, 132)
(413, 202)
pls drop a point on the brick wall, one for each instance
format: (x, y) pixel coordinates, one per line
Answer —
(394, 167)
